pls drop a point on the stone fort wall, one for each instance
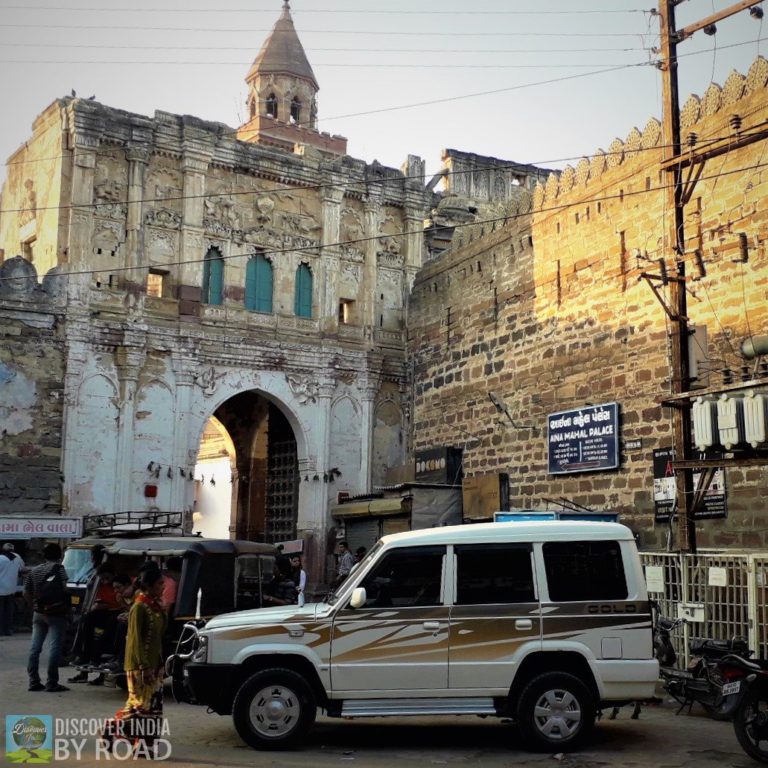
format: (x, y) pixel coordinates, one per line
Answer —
(547, 311)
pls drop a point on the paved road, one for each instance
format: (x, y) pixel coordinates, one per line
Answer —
(657, 739)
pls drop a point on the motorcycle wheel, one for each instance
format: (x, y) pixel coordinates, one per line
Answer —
(751, 725)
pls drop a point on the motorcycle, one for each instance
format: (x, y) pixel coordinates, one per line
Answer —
(713, 666)
(750, 699)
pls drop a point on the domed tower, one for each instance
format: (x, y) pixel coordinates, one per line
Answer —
(282, 93)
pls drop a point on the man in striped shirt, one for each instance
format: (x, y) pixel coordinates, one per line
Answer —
(48, 618)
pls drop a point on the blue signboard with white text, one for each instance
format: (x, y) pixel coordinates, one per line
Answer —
(583, 440)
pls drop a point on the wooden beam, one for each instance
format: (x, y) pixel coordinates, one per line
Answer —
(686, 32)
(716, 148)
(751, 461)
(670, 401)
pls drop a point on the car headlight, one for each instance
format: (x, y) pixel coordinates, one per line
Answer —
(200, 654)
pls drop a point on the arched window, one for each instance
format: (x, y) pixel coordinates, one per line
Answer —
(252, 108)
(303, 305)
(295, 110)
(272, 105)
(213, 277)
(258, 284)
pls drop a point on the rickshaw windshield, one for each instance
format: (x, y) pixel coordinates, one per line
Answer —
(78, 565)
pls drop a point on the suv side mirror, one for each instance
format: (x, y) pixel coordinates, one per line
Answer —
(358, 598)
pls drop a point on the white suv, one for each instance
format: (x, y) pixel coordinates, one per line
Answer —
(541, 622)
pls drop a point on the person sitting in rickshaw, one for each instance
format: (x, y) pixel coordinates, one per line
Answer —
(171, 576)
(97, 625)
(282, 589)
(125, 589)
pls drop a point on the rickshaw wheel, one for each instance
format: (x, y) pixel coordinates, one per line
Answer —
(274, 709)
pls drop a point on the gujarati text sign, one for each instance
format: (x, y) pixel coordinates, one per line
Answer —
(583, 440)
(49, 527)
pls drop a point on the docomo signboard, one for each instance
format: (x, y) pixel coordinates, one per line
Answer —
(583, 440)
(41, 527)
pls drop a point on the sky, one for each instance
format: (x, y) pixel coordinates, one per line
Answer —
(533, 81)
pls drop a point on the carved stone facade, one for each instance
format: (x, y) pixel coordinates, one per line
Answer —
(478, 188)
(129, 210)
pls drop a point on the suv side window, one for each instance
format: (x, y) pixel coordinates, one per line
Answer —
(585, 570)
(494, 573)
(405, 578)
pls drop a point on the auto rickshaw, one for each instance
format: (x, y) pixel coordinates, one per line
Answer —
(217, 576)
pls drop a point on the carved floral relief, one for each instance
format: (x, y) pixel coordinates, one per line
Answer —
(305, 390)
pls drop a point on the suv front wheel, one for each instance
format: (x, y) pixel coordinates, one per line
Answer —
(274, 709)
(556, 711)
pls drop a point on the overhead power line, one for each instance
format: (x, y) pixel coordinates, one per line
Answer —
(234, 132)
(448, 99)
(497, 219)
(354, 65)
(250, 48)
(358, 32)
(704, 141)
(303, 11)
(495, 91)
(379, 65)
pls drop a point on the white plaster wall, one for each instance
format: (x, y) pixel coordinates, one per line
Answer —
(94, 442)
(388, 443)
(167, 426)
(153, 442)
(213, 502)
(346, 447)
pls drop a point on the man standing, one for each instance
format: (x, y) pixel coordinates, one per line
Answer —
(45, 590)
(346, 561)
(10, 567)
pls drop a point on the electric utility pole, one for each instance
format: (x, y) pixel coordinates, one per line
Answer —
(675, 238)
(676, 197)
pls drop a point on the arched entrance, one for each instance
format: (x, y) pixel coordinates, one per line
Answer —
(263, 484)
(213, 481)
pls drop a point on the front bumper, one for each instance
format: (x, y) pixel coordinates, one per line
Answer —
(212, 685)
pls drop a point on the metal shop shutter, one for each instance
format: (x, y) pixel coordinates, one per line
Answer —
(362, 532)
(395, 525)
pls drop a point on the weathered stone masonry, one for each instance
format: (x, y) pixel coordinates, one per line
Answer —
(31, 392)
(566, 322)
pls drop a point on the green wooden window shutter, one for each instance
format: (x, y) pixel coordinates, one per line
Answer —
(258, 284)
(303, 306)
(213, 277)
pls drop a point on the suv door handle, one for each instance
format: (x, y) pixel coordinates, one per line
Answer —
(431, 626)
(523, 624)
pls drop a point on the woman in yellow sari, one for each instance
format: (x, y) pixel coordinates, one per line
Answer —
(143, 661)
(144, 646)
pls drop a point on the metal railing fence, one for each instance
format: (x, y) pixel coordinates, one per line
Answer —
(723, 595)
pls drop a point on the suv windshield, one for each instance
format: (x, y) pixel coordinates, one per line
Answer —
(333, 595)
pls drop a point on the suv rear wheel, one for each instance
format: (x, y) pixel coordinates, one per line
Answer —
(274, 709)
(555, 711)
